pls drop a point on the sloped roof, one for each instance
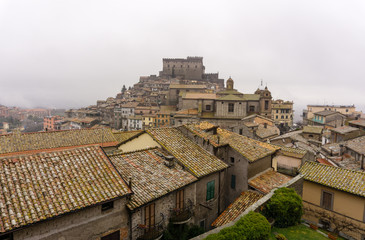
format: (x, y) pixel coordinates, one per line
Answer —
(199, 161)
(268, 180)
(151, 178)
(235, 209)
(269, 131)
(293, 152)
(344, 129)
(43, 185)
(251, 97)
(360, 122)
(230, 97)
(338, 178)
(188, 86)
(313, 129)
(357, 144)
(190, 95)
(20, 142)
(249, 148)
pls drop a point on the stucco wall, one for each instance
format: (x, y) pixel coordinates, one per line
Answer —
(343, 202)
(141, 142)
(90, 223)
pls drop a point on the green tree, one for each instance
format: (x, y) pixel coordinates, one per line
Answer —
(285, 206)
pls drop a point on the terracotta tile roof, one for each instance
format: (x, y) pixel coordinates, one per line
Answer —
(124, 136)
(334, 177)
(17, 142)
(235, 209)
(268, 180)
(40, 186)
(151, 178)
(249, 148)
(199, 161)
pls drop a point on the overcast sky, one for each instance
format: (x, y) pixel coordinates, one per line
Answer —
(68, 54)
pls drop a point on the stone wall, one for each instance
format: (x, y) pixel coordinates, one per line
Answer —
(259, 166)
(239, 109)
(295, 183)
(162, 209)
(90, 224)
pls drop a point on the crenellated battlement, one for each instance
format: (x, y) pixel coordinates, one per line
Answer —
(188, 59)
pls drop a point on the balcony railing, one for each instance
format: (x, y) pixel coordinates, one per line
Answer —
(153, 232)
(180, 216)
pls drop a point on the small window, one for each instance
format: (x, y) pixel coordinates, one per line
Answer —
(202, 223)
(277, 116)
(107, 206)
(207, 107)
(252, 108)
(210, 190)
(233, 181)
(282, 117)
(277, 111)
(112, 236)
(232, 159)
(230, 107)
(241, 131)
(327, 200)
(266, 105)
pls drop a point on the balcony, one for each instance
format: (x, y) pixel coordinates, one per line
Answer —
(154, 232)
(180, 216)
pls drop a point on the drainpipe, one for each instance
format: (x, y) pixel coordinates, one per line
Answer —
(219, 193)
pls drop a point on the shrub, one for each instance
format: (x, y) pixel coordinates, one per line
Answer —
(285, 206)
(252, 226)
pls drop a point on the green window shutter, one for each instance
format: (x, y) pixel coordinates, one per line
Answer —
(233, 181)
(210, 190)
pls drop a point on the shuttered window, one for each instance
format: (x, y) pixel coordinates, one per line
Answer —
(233, 181)
(180, 199)
(327, 200)
(210, 190)
(150, 215)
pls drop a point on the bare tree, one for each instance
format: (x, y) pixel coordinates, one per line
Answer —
(338, 222)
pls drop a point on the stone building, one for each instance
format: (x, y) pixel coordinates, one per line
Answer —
(308, 113)
(327, 119)
(163, 191)
(208, 169)
(225, 108)
(69, 193)
(191, 68)
(282, 112)
(246, 157)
